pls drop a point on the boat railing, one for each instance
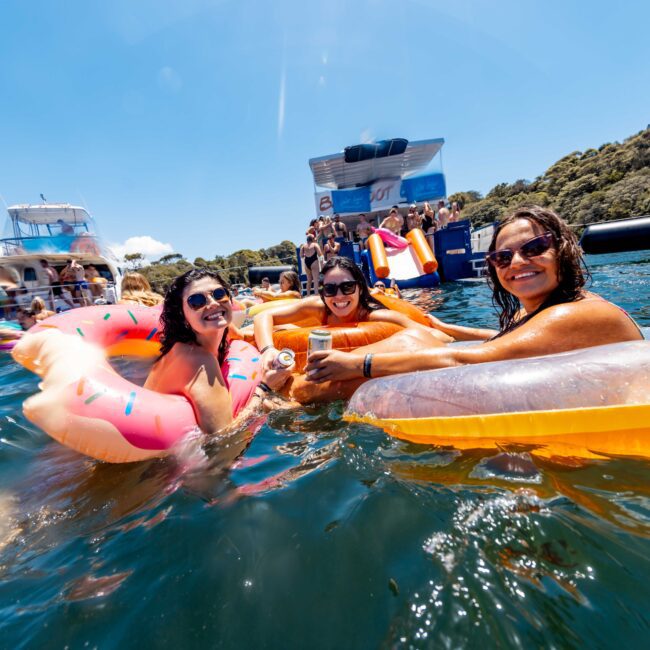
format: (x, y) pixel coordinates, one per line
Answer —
(74, 244)
(59, 297)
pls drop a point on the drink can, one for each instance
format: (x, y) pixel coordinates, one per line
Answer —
(284, 359)
(319, 340)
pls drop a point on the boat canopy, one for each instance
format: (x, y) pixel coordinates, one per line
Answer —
(51, 229)
(363, 164)
(49, 214)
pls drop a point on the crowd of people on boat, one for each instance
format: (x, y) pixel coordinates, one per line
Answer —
(426, 217)
(538, 281)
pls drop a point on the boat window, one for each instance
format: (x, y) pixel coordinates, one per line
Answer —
(29, 274)
(104, 271)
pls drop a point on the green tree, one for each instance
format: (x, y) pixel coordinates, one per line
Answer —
(134, 260)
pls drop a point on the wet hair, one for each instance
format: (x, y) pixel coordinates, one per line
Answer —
(366, 301)
(135, 282)
(175, 328)
(292, 278)
(572, 274)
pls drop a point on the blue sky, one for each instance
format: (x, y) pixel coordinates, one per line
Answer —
(190, 122)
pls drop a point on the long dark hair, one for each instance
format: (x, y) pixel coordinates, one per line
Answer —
(292, 278)
(572, 274)
(175, 329)
(366, 301)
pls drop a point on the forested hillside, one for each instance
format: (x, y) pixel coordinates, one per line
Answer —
(611, 182)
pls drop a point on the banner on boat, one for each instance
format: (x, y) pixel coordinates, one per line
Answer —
(381, 195)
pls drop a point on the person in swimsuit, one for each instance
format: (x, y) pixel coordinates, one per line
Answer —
(340, 229)
(309, 254)
(364, 230)
(332, 248)
(393, 222)
(455, 212)
(536, 273)
(443, 214)
(344, 299)
(196, 315)
(289, 288)
(413, 218)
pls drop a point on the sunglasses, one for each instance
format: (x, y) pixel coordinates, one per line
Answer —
(199, 300)
(379, 285)
(347, 288)
(532, 248)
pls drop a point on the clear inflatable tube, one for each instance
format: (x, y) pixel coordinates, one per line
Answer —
(597, 396)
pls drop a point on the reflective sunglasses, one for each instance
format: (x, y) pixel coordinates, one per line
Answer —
(199, 300)
(347, 288)
(532, 248)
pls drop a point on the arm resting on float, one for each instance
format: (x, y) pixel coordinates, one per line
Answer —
(557, 329)
(264, 322)
(460, 332)
(280, 295)
(391, 316)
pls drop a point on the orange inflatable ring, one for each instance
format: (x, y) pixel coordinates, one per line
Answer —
(402, 306)
(345, 338)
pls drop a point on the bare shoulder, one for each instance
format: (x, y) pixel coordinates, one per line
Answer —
(179, 367)
(570, 326)
(591, 312)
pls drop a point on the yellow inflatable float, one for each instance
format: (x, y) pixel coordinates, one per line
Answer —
(587, 403)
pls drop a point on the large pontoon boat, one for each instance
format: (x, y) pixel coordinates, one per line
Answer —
(371, 179)
(56, 233)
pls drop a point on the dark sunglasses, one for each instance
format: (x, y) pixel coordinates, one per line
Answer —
(199, 300)
(347, 288)
(532, 248)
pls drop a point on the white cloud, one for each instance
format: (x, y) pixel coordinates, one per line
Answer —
(144, 244)
(169, 79)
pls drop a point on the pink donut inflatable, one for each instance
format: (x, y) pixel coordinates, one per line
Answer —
(86, 405)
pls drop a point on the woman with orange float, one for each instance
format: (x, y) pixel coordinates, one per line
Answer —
(289, 288)
(535, 268)
(344, 300)
(196, 316)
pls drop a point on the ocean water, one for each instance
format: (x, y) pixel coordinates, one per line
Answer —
(324, 534)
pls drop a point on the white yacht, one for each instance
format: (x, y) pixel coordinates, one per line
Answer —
(56, 233)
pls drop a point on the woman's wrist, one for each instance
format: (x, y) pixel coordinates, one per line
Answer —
(367, 365)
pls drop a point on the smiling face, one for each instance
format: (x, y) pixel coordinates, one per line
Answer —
(530, 279)
(214, 315)
(285, 285)
(342, 306)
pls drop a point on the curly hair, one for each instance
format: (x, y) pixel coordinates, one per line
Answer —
(572, 273)
(366, 301)
(175, 329)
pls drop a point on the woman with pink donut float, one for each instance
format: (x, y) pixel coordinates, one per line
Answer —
(201, 379)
